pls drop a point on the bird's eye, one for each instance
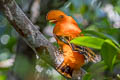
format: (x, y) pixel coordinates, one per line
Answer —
(61, 16)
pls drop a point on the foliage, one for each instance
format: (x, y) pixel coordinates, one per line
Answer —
(107, 48)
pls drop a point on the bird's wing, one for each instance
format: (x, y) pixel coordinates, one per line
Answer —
(87, 52)
(64, 39)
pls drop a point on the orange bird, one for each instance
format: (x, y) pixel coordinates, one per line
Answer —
(66, 29)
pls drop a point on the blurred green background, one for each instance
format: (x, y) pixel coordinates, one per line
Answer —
(97, 18)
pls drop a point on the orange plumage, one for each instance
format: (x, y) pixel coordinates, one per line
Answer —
(65, 30)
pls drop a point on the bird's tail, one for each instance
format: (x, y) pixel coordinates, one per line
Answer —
(91, 56)
(65, 70)
(87, 52)
(70, 73)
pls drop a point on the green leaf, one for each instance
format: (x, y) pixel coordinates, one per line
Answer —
(100, 35)
(98, 67)
(88, 41)
(11, 43)
(95, 33)
(108, 53)
(112, 44)
(87, 77)
(98, 70)
(2, 77)
(117, 9)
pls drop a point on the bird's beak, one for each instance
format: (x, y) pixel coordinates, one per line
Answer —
(52, 21)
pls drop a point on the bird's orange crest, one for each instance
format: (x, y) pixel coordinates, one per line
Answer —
(55, 15)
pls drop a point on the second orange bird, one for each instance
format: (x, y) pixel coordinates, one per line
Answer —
(66, 29)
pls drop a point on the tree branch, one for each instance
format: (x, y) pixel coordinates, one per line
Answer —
(27, 30)
(30, 33)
